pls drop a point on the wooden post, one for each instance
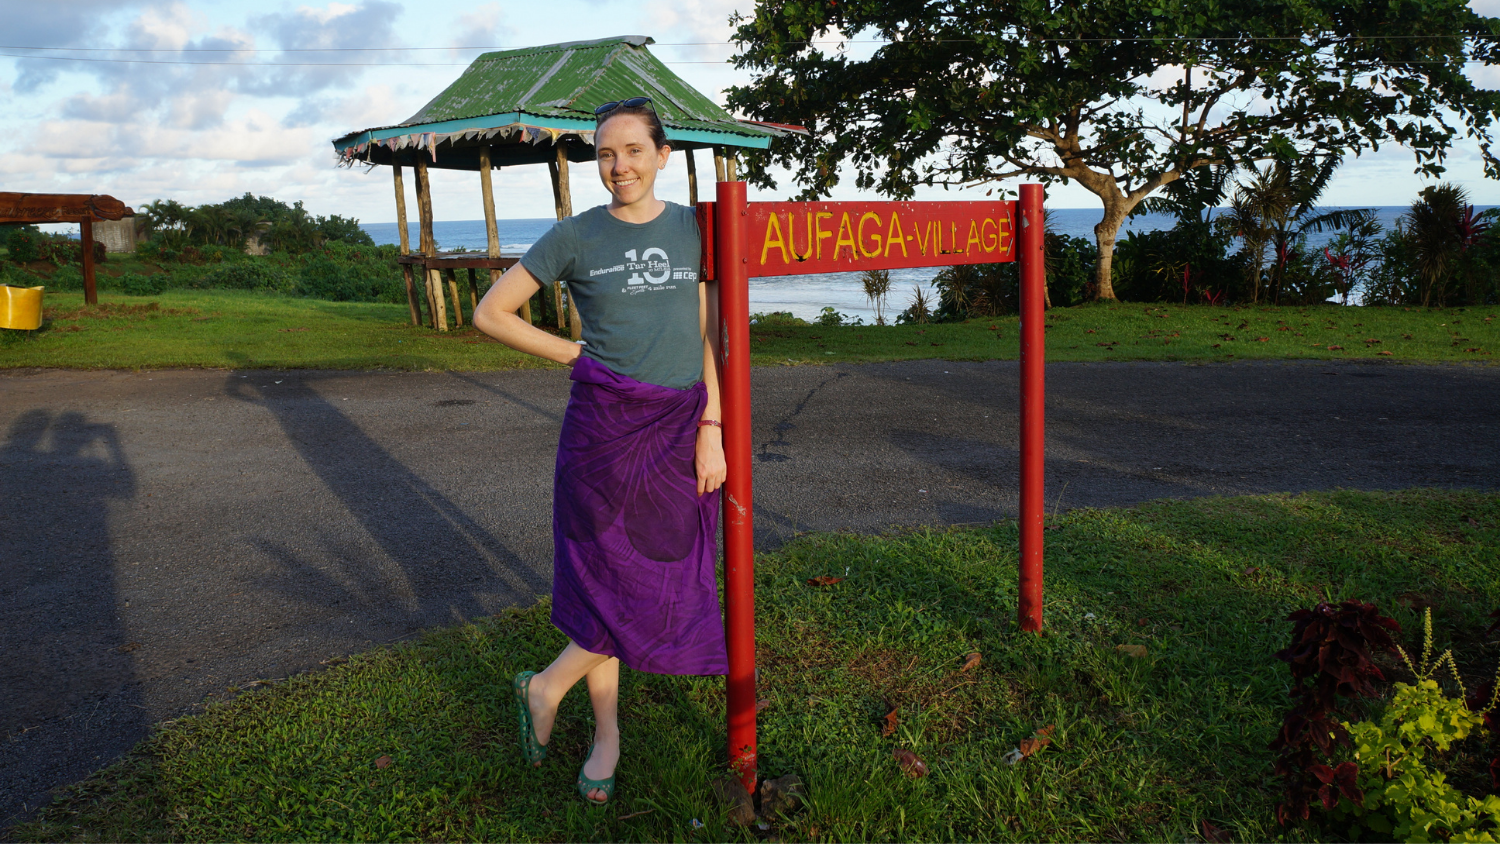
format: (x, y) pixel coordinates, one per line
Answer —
(731, 167)
(692, 178)
(411, 292)
(565, 200)
(86, 237)
(458, 308)
(474, 291)
(719, 164)
(492, 233)
(557, 294)
(562, 198)
(429, 245)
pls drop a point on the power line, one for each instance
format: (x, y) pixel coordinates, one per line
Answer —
(1101, 39)
(262, 64)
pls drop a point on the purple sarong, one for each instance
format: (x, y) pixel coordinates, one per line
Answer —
(633, 566)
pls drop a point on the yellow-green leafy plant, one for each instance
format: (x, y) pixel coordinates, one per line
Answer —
(1391, 789)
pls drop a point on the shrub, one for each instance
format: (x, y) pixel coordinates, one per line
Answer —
(1149, 266)
(249, 275)
(1392, 790)
(775, 318)
(136, 284)
(23, 244)
(1330, 658)
(832, 318)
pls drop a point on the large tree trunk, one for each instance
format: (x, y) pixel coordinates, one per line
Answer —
(1105, 234)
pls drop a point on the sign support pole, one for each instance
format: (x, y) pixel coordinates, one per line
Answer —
(732, 273)
(1033, 403)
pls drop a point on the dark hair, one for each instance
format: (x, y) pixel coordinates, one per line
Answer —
(646, 113)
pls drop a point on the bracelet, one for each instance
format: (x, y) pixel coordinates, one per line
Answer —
(714, 422)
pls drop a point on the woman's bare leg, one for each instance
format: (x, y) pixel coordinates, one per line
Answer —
(549, 686)
(604, 694)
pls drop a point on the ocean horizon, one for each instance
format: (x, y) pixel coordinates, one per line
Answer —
(804, 296)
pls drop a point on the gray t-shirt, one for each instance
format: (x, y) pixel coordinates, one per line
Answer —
(636, 285)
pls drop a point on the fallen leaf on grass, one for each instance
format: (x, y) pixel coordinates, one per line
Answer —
(383, 762)
(1038, 740)
(1473, 522)
(970, 661)
(1335, 348)
(910, 762)
(760, 705)
(888, 725)
(1383, 352)
(1141, 622)
(635, 814)
(1212, 834)
(293, 329)
(823, 580)
(1137, 651)
(1251, 571)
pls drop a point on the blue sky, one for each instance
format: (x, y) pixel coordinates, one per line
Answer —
(202, 133)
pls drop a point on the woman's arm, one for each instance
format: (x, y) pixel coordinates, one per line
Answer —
(710, 453)
(496, 316)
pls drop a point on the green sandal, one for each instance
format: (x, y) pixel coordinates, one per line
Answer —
(533, 750)
(585, 785)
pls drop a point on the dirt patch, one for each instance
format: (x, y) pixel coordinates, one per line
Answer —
(115, 310)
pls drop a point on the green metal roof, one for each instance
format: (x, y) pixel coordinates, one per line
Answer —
(524, 102)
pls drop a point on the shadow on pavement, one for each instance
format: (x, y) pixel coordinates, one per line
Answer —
(69, 694)
(444, 559)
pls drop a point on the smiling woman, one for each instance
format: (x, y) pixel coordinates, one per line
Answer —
(640, 459)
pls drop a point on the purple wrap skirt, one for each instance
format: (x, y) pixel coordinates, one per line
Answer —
(634, 559)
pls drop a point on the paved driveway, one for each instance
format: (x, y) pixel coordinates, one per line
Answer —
(166, 535)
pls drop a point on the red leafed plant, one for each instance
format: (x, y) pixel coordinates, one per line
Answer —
(1330, 658)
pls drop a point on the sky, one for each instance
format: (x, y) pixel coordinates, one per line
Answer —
(159, 128)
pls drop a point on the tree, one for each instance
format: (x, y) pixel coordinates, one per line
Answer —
(1121, 96)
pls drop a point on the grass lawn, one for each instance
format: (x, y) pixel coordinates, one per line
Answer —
(1145, 746)
(241, 330)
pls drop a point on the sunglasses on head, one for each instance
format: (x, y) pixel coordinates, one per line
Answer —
(633, 102)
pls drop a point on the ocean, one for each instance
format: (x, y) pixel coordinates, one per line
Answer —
(804, 296)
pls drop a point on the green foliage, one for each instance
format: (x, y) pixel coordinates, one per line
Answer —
(23, 244)
(973, 91)
(1403, 797)
(174, 227)
(830, 318)
(249, 275)
(1149, 266)
(986, 290)
(919, 311)
(877, 284)
(775, 318)
(137, 284)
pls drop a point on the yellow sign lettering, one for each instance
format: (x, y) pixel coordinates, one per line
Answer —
(989, 243)
(1004, 226)
(973, 237)
(791, 230)
(895, 237)
(846, 226)
(869, 253)
(924, 237)
(818, 228)
(774, 224)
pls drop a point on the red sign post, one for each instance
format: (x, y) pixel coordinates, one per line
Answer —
(743, 240)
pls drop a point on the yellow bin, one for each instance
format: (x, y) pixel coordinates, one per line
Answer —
(20, 307)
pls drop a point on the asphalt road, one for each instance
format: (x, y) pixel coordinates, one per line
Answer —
(167, 535)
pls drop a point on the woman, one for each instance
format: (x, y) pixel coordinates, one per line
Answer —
(640, 459)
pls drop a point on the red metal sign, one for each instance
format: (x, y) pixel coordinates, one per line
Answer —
(802, 238)
(743, 240)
